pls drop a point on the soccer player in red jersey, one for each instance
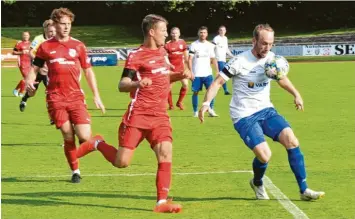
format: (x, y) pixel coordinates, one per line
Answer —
(147, 77)
(178, 56)
(65, 56)
(22, 49)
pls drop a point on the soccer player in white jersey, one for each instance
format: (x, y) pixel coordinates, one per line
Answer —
(201, 54)
(222, 50)
(253, 114)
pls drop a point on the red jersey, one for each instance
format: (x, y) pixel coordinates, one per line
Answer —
(149, 101)
(24, 60)
(176, 51)
(64, 61)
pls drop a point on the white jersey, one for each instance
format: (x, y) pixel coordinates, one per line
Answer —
(251, 87)
(202, 53)
(221, 47)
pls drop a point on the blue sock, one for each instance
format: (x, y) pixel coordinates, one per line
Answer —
(259, 171)
(194, 102)
(212, 103)
(225, 87)
(296, 160)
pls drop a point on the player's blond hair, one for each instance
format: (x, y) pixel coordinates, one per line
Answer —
(261, 27)
(150, 21)
(60, 12)
(47, 23)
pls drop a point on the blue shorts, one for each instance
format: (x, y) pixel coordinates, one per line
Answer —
(198, 82)
(221, 65)
(267, 121)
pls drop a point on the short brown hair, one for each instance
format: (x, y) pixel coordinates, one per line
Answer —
(47, 23)
(174, 28)
(150, 21)
(60, 12)
(261, 27)
(202, 28)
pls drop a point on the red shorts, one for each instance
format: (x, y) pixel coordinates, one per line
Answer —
(75, 112)
(130, 137)
(25, 70)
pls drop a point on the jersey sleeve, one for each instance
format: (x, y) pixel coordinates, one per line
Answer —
(35, 43)
(212, 51)
(192, 50)
(214, 41)
(232, 68)
(40, 57)
(132, 62)
(184, 45)
(83, 57)
(17, 46)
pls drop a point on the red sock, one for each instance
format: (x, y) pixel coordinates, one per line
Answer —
(70, 154)
(182, 94)
(22, 86)
(163, 180)
(108, 151)
(170, 99)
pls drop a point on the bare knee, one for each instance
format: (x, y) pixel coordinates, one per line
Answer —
(262, 152)
(121, 164)
(163, 151)
(123, 157)
(288, 139)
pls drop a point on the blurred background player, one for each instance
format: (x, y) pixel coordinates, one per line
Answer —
(221, 49)
(254, 115)
(201, 55)
(147, 116)
(65, 56)
(48, 32)
(178, 56)
(22, 49)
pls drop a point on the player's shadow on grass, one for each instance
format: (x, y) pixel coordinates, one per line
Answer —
(45, 144)
(17, 180)
(116, 194)
(37, 202)
(25, 124)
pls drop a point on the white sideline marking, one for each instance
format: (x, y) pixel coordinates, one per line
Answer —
(276, 192)
(284, 200)
(140, 174)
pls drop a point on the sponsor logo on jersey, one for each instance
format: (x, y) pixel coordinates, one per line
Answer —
(162, 70)
(52, 52)
(252, 84)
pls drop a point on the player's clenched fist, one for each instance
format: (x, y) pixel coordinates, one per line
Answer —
(144, 82)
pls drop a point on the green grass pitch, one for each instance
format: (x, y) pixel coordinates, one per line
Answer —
(32, 148)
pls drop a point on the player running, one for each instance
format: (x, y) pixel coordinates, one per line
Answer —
(178, 56)
(254, 115)
(147, 77)
(22, 49)
(201, 54)
(48, 32)
(65, 56)
(221, 49)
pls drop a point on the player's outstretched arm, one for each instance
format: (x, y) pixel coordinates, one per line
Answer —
(286, 84)
(91, 79)
(210, 94)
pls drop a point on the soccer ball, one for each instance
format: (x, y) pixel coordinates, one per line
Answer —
(276, 67)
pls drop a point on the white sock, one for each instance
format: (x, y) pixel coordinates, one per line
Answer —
(76, 171)
(161, 201)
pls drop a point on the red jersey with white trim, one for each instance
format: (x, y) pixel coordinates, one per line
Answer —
(24, 60)
(64, 61)
(176, 51)
(149, 101)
